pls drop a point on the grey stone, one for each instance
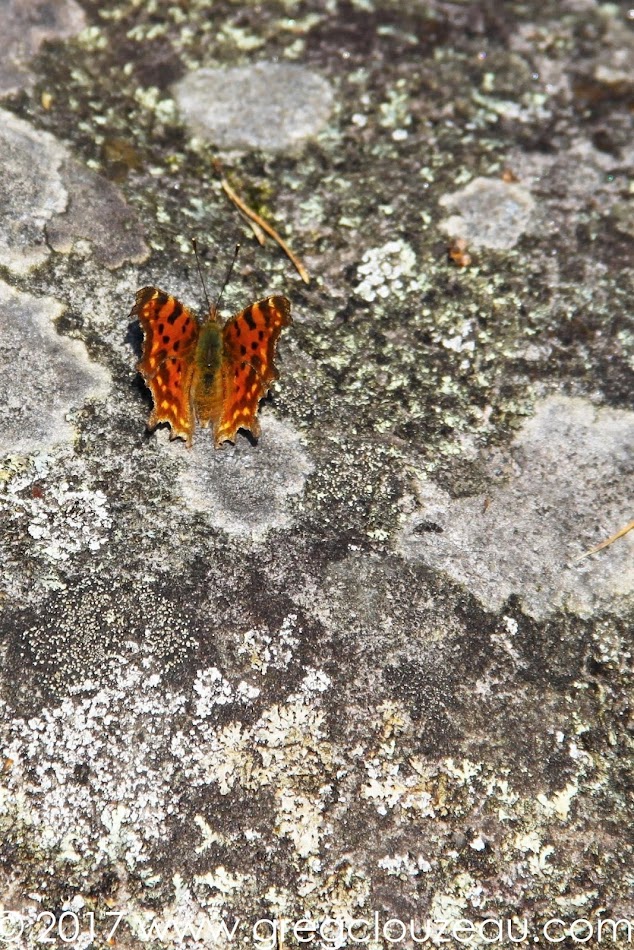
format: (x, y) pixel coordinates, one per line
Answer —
(351, 668)
(97, 213)
(272, 106)
(42, 375)
(50, 201)
(490, 213)
(244, 494)
(32, 192)
(570, 466)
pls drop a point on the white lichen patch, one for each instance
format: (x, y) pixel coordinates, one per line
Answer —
(126, 741)
(222, 880)
(129, 790)
(404, 865)
(276, 650)
(387, 269)
(529, 845)
(488, 213)
(129, 743)
(315, 681)
(387, 788)
(300, 819)
(66, 521)
(559, 804)
(214, 690)
(282, 751)
(466, 893)
(563, 488)
(62, 517)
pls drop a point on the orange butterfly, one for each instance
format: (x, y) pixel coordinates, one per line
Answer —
(205, 371)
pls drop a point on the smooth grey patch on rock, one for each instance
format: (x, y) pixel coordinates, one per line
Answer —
(42, 375)
(31, 191)
(47, 196)
(563, 489)
(272, 106)
(490, 213)
(25, 26)
(570, 183)
(97, 212)
(244, 490)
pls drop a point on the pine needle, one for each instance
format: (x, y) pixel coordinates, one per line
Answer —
(264, 226)
(605, 544)
(257, 230)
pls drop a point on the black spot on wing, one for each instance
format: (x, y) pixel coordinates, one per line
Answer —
(175, 314)
(265, 310)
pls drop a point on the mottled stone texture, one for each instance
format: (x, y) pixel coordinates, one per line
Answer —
(26, 25)
(353, 668)
(97, 215)
(32, 192)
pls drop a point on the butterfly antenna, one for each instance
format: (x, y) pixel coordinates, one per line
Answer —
(226, 280)
(200, 272)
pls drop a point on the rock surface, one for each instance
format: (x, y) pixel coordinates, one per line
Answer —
(352, 669)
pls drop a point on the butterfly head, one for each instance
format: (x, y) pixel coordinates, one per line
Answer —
(214, 315)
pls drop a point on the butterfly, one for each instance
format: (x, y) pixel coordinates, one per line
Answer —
(203, 371)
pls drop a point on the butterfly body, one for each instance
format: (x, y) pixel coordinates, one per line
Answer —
(208, 373)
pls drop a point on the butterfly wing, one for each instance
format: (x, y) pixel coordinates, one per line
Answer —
(249, 342)
(170, 336)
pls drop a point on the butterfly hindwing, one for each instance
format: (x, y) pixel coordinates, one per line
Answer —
(171, 392)
(249, 341)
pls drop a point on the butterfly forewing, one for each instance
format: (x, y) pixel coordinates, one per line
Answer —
(170, 336)
(249, 342)
(170, 328)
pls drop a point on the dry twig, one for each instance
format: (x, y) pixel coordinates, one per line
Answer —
(605, 544)
(264, 226)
